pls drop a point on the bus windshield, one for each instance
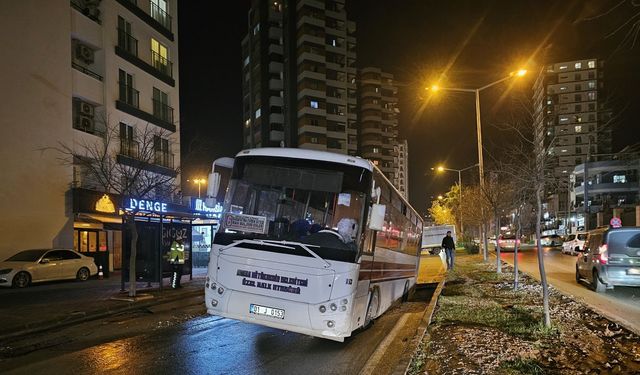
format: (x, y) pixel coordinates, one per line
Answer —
(288, 199)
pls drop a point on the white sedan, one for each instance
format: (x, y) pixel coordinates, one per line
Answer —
(38, 265)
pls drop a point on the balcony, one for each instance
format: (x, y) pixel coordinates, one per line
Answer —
(129, 95)
(164, 159)
(90, 10)
(129, 148)
(86, 71)
(157, 18)
(161, 64)
(162, 111)
(127, 42)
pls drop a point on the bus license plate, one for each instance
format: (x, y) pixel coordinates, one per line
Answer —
(266, 311)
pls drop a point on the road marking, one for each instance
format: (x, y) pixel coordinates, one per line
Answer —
(376, 357)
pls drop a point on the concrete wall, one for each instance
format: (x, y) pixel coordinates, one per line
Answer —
(35, 108)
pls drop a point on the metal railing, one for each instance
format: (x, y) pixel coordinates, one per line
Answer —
(164, 159)
(86, 71)
(161, 64)
(129, 95)
(162, 111)
(161, 16)
(127, 42)
(92, 12)
(129, 148)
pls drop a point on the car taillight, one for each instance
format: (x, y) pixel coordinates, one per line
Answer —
(602, 256)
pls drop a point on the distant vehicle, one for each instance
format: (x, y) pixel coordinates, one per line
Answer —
(508, 242)
(573, 243)
(30, 266)
(432, 237)
(610, 257)
(552, 240)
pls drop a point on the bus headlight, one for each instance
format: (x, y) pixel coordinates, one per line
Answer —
(322, 309)
(214, 302)
(220, 290)
(344, 301)
(330, 323)
(343, 308)
(333, 307)
(213, 286)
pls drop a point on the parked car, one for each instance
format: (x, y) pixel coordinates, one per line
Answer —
(610, 257)
(551, 240)
(38, 265)
(573, 243)
(508, 242)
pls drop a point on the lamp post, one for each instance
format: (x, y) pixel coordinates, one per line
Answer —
(442, 169)
(477, 91)
(199, 182)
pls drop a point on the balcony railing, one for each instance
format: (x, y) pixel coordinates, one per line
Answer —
(161, 64)
(164, 159)
(129, 148)
(86, 71)
(129, 95)
(127, 42)
(91, 11)
(162, 111)
(161, 16)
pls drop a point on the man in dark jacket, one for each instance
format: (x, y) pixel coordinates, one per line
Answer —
(449, 249)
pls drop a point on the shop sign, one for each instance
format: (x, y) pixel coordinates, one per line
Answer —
(105, 204)
(246, 223)
(146, 205)
(201, 206)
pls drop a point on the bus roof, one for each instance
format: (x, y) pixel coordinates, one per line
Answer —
(299, 153)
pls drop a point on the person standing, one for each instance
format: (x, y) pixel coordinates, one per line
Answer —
(176, 258)
(449, 247)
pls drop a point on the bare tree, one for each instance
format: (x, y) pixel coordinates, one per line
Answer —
(131, 161)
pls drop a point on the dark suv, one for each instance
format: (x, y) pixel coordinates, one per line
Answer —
(610, 257)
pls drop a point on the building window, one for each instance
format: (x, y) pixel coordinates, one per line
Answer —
(578, 140)
(314, 139)
(314, 122)
(578, 65)
(577, 97)
(256, 29)
(161, 109)
(619, 179)
(162, 152)
(125, 39)
(578, 128)
(258, 113)
(128, 146)
(563, 67)
(160, 58)
(160, 12)
(591, 95)
(127, 93)
(578, 86)
(591, 64)
(592, 84)
(314, 104)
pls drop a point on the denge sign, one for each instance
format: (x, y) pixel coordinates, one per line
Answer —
(146, 205)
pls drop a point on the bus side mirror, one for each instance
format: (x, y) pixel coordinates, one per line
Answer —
(212, 189)
(376, 220)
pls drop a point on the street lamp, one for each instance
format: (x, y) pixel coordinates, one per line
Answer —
(199, 182)
(518, 73)
(442, 169)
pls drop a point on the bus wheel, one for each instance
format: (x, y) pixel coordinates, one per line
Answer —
(405, 294)
(372, 309)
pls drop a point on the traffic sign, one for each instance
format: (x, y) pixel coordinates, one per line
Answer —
(615, 222)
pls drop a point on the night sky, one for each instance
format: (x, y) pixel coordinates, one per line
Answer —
(479, 42)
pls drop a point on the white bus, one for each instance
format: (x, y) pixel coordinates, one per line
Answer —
(311, 242)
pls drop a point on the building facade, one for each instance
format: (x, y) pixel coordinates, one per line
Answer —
(378, 114)
(571, 122)
(75, 73)
(299, 76)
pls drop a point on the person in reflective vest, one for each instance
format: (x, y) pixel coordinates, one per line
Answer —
(176, 258)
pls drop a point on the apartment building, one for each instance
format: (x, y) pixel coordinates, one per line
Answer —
(73, 73)
(571, 122)
(299, 76)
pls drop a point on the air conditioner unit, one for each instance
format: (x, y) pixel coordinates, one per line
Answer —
(84, 53)
(83, 123)
(85, 109)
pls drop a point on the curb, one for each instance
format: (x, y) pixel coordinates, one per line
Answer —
(97, 315)
(405, 361)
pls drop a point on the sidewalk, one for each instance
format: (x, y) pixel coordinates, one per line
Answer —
(46, 306)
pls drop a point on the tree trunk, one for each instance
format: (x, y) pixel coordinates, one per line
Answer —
(497, 231)
(543, 275)
(515, 251)
(131, 223)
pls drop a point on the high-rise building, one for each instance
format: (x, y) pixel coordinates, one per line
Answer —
(571, 123)
(401, 180)
(73, 70)
(299, 76)
(378, 133)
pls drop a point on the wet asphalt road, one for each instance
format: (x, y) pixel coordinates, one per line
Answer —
(158, 341)
(621, 303)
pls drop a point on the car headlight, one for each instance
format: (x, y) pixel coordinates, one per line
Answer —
(5, 271)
